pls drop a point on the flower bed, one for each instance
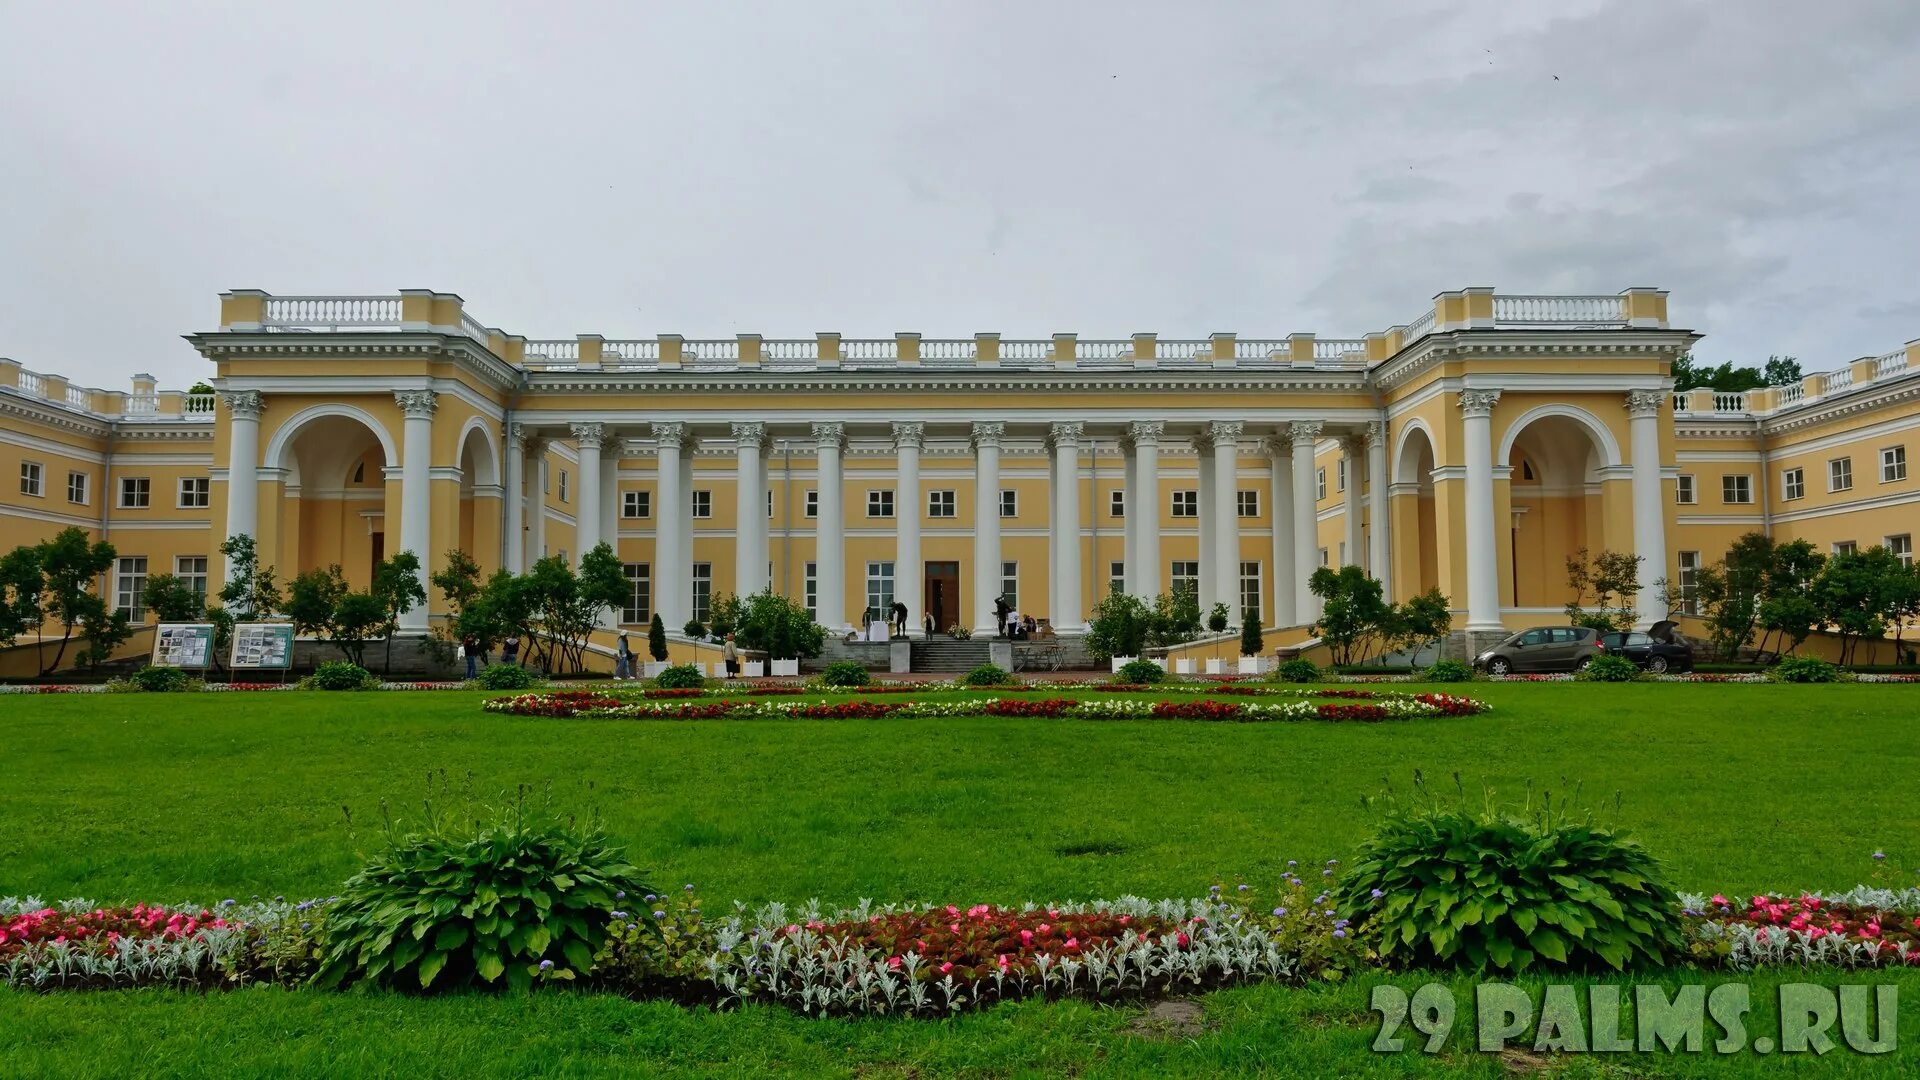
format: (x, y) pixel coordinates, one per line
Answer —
(584, 703)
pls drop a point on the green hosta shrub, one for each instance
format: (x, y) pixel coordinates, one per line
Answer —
(162, 680)
(1449, 671)
(524, 896)
(845, 673)
(340, 675)
(680, 677)
(1487, 892)
(1297, 670)
(1140, 672)
(1805, 669)
(507, 677)
(1609, 669)
(991, 675)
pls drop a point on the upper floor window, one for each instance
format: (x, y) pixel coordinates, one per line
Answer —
(563, 485)
(1683, 490)
(195, 492)
(32, 479)
(1320, 482)
(1840, 474)
(1736, 488)
(1117, 504)
(636, 504)
(1186, 504)
(136, 492)
(880, 505)
(811, 507)
(1248, 503)
(703, 504)
(1009, 503)
(1793, 484)
(1893, 464)
(77, 485)
(1340, 478)
(942, 504)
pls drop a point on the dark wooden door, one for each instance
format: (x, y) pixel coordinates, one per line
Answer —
(379, 554)
(942, 594)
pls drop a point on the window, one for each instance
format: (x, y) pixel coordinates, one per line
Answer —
(1736, 489)
(1184, 575)
(810, 506)
(703, 506)
(880, 505)
(77, 488)
(1117, 504)
(1343, 553)
(639, 605)
(1249, 589)
(30, 478)
(1009, 503)
(1893, 464)
(1840, 474)
(562, 554)
(1690, 582)
(1320, 482)
(1902, 548)
(1846, 547)
(941, 504)
(196, 492)
(1248, 502)
(130, 587)
(192, 572)
(880, 585)
(1340, 480)
(1186, 504)
(563, 485)
(1683, 492)
(702, 591)
(135, 492)
(1116, 577)
(636, 504)
(1010, 584)
(1323, 556)
(810, 588)
(1793, 484)
(769, 504)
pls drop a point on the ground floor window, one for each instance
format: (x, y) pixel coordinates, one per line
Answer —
(1690, 582)
(880, 590)
(1116, 577)
(1249, 588)
(1902, 548)
(1010, 584)
(192, 572)
(639, 606)
(811, 587)
(130, 587)
(1184, 575)
(702, 591)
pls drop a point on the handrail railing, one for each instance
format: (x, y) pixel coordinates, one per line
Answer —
(331, 312)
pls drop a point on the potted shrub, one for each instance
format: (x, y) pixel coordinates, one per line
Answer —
(1217, 619)
(1251, 644)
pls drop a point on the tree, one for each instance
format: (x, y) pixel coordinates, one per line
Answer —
(459, 581)
(566, 605)
(1613, 580)
(1119, 626)
(1855, 592)
(1727, 595)
(1782, 370)
(1422, 621)
(1176, 616)
(657, 639)
(250, 592)
(170, 599)
(21, 588)
(1727, 378)
(1353, 613)
(356, 620)
(313, 602)
(396, 584)
(69, 565)
(784, 629)
(1787, 606)
(1251, 643)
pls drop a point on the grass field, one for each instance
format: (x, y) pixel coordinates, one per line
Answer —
(202, 797)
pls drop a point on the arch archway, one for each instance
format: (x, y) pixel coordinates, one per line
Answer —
(480, 494)
(333, 460)
(1557, 459)
(1415, 522)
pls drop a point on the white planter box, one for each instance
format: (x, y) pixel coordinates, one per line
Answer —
(1183, 667)
(1216, 667)
(1252, 665)
(1122, 661)
(753, 669)
(652, 668)
(786, 667)
(1162, 661)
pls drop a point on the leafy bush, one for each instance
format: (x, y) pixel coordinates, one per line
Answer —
(1482, 891)
(507, 677)
(461, 903)
(1299, 669)
(1805, 669)
(1119, 626)
(680, 677)
(991, 675)
(1140, 673)
(694, 629)
(1609, 669)
(657, 639)
(845, 673)
(1251, 640)
(1217, 618)
(340, 675)
(161, 680)
(1449, 671)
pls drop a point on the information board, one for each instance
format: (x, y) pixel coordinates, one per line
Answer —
(183, 645)
(263, 646)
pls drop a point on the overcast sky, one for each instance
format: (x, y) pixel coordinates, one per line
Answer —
(1105, 168)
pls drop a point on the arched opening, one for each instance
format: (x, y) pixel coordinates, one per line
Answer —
(334, 509)
(1555, 489)
(480, 495)
(1418, 569)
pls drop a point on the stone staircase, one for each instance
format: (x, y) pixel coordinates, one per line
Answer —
(945, 655)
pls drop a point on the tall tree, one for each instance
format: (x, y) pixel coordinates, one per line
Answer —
(1354, 613)
(70, 564)
(1612, 578)
(396, 585)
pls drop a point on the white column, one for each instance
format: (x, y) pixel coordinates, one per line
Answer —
(516, 508)
(586, 513)
(1649, 517)
(1143, 510)
(416, 492)
(1350, 450)
(908, 577)
(986, 525)
(243, 469)
(537, 504)
(1129, 544)
(1226, 516)
(830, 529)
(1203, 524)
(1306, 520)
(1280, 507)
(610, 454)
(750, 510)
(1379, 558)
(1067, 612)
(1483, 563)
(672, 581)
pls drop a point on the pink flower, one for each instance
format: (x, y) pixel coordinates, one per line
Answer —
(1182, 939)
(953, 927)
(893, 962)
(1719, 900)
(946, 968)
(1073, 943)
(1026, 937)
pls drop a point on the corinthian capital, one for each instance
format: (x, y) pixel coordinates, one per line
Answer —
(830, 433)
(244, 404)
(1644, 402)
(909, 435)
(1146, 432)
(1376, 433)
(417, 404)
(589, 436)
(988, 433)
(750, 433)
(1478, 402)
(1304, 431)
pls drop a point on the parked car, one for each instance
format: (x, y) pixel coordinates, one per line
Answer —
(1542, 649)
(1659, 649)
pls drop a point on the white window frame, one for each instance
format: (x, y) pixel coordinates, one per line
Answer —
(1840, 474)
(880, 585)
(1246, 502)
(192, 572)
(703, 505)
(130, 586)
(1689, 564)
(1893, 464)
(1251, 588)
(1736, 483)
(136, 485)
(1846, 547)
(810, 588)
(1010, 582)
(810, 504)
(1116, 576)
(1186, 503)
(566, 486)
(1183, 570)
(880, 503)
(638, 610)
(1684, 491)
(636, 504)
(943, 503)
(1009, 503)
(1340, 475)
(83, 483)
(193, 493)
(1320, 484)
(1793, 484)
(33, 479)
(1902, 547)
(1117, 503)
(701, 577)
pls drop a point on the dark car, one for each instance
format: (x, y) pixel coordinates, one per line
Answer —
(1542, 649)
(1658, 649)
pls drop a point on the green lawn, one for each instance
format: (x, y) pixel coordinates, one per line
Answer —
(204, 796)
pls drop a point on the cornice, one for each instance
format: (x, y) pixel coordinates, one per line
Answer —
(1826, 410)
(1435, 349)
(499, 374)
(1715, 429)
(163, 432)
(14, 404)
(737, 382)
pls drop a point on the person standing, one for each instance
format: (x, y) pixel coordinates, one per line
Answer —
(510, 649)
(470, 648)
(1002, 615)
(900, 618)
(623, 659)
(731, 654)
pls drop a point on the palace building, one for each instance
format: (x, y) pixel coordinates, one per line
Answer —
(1471, 449)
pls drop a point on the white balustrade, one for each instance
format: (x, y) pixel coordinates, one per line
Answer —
(143, 404)
(791, 349)
(332, 312)
(32, 383)
(1258, 348)
(1101, 349)
(636, 355)
(1337, 348)
(1026, 349)
(1418, 328)
(721, 349)
(1892, 363)
(1584, 310)
(1186, 348)
(947, 349)
(80, 398)
(1730, 402)
(197, 404)
(1791, 394)
(869, 348)
(1682, 402)
(472, 328)
(1838, 379)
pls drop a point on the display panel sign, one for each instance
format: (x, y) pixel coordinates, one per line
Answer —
(183, 645)
(262, 646)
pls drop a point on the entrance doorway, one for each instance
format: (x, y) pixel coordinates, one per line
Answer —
(379, 552)
(942, 595)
